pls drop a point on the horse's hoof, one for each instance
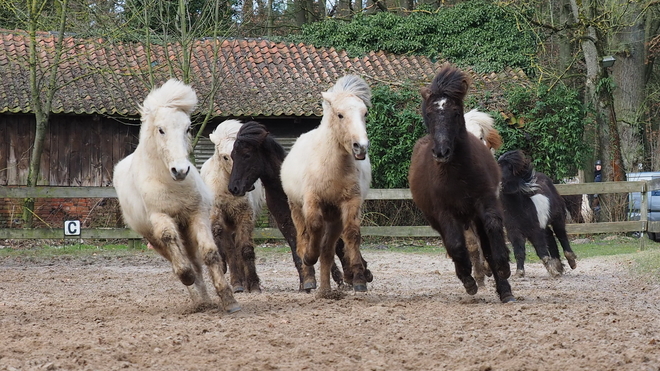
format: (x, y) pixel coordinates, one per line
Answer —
(507, 298)
(481, 281)
(309, 286)
(187, 277)
(520, 273)
(238, 289)
(470, 285)
(232, 308)
(571, 257)
(368, 276)
(360, 287)
(551, 266)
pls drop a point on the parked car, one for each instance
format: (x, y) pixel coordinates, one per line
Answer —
(654, 201)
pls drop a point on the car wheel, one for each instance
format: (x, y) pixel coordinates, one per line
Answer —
(654, 236)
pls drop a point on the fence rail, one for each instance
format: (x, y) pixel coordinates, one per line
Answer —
(642, 225)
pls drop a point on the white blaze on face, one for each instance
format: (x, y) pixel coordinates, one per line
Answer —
(440, 104)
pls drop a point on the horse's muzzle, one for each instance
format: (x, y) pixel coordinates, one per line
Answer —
(179, 174)
(360, 151)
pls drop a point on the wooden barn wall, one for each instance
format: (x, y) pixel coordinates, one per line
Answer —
(82, 150)
(78, 150)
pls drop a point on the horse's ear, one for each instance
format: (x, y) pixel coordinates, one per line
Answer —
(425, 92)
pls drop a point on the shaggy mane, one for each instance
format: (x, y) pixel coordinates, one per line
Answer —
(355, 85)
(255, 133)
(450, 82)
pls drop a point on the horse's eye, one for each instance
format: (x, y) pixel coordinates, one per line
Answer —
(340, 116)
(160, 130)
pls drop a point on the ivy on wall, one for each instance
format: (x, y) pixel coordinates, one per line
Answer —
(474, 33)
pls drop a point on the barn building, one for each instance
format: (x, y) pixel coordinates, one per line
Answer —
(94, 119)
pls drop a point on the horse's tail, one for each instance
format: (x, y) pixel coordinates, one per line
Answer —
(353, 84)
(487, 125)
(225, 135)
(172, 94)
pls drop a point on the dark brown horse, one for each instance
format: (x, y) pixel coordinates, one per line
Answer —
(256, 155)
(531, 206)
(454, 180)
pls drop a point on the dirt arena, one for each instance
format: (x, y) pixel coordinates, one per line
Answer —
(126, 310)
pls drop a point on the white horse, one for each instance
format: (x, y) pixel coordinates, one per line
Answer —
(326, 178)
(233, 217)
(163, 197)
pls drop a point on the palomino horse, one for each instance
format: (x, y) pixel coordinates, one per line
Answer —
(232, 218)
(163, 197)
(454, 180)
(326, 177)
(531, 206)
(257, 156)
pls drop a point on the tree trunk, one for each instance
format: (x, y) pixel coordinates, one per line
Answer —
(629, 73)
(41, 104)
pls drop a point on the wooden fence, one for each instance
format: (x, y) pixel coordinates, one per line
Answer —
(642, 225)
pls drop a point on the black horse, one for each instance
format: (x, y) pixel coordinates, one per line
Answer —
(454, 180)
(256, 155)
(531, 206)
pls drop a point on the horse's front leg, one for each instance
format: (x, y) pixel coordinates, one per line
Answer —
(491, 232)
(200, 230)
(453, 237)
(245, 247)
(302, 243)
(350, 217)
(331, 233)
(168, 242)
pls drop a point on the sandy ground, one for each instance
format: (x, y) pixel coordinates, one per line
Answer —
(128, 311)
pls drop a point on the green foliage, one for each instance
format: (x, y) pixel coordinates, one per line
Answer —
(474, 33)
(549, 129)
(394, 124)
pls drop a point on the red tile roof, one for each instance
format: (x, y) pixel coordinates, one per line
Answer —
(256, 77)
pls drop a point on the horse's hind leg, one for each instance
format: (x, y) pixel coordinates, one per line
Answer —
(518, 242)
(169, 244)
(200, 230)
(245, 247)
(235, 261)
(560, 230)
(328, 242)
(302, 242)
(479, 268)
(553, 250)
(350, 219)
(348, 275)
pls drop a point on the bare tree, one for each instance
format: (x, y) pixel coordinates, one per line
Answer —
(43, 85)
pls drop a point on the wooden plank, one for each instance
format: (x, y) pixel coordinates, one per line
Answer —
(4, 151)
(400, 231)
(47, 233)
(24, 143)
(600, 187)
(57, 192)
(389, 194)
(44, 166)
(606, 227)
(108, 128)
(76, 144)
(653, 227)
(653, 185)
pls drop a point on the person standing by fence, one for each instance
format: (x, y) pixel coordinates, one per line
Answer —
(598, 177)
